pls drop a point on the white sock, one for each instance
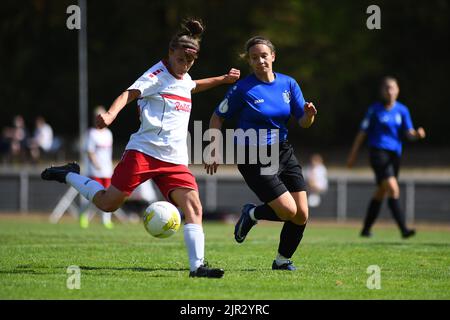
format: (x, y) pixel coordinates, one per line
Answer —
(106, 217)
(85, 186)
(195, 243)
(281, 260)
(251, 213)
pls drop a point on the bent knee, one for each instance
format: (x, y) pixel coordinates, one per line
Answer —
(109, 207)
(287, 212)
(301, 217)
(197, 209)
(193, 210)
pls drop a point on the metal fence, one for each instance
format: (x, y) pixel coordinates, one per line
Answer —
(424, 199)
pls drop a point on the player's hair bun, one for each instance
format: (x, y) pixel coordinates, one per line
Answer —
(189, 37)
(193, 27)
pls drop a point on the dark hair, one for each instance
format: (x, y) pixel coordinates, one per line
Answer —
(386, 79)
(254, 41)
(189, 37)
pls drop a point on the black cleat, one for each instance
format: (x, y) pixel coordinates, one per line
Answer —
(206, 272)
(244, 224)
(59, 173)
(366, 234)
(408, 233)
(289, 266)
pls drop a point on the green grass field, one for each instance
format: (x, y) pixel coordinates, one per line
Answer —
(127, 263)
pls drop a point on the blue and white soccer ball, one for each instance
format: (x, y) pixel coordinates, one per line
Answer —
(162, 219)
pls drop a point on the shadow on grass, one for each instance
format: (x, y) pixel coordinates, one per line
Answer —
(136, 269)
(407, 244)
(47, 270)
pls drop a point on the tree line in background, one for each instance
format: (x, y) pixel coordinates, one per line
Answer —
(325, 45)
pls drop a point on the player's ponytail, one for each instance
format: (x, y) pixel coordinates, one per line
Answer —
(193, 28)
(189, 37)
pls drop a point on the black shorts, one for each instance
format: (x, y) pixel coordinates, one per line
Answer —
(288, 177)
(385, 164)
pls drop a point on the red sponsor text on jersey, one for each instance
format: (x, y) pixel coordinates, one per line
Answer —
(182, 106)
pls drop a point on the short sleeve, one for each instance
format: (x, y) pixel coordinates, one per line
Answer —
(193, 84)
(406, 121)
(297, 100)
(148, 84)
(365, 123)
(232, 103)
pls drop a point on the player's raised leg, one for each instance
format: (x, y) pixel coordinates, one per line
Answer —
(108, 200)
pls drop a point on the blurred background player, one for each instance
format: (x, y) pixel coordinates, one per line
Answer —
(316, 175)
(385, 124)
(99, 148)
(265, 100)
(158, 150)
(42, 140)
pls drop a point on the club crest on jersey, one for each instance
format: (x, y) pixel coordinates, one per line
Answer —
(223, 107)
(286, 96)
(398, 119)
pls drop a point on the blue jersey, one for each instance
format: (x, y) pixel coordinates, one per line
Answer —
(385, 128)
(261, 105)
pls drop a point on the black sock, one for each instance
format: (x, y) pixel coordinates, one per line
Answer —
(290, 238)
(397, 213)
(265, 212)
(372, 213)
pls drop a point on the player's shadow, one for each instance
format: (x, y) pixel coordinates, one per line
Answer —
(46, 270)
(408, 244)
(135, 269)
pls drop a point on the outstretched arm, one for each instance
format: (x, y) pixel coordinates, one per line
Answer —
(208, 83)
(414, 135)
(359, 139)
(308, 118)
(105, 119)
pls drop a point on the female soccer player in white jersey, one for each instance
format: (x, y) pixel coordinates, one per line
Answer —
(99, 149)
(158, 150)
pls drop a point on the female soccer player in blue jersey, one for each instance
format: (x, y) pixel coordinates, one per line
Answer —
(385, 124)
(264, 101)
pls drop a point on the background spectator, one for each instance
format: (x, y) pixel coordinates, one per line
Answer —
(42, 140)
(317, 179)
(13, 143)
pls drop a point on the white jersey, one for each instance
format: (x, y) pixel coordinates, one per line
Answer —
(44, 136)
(165, 108)
(100, 143)
(319, 175)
